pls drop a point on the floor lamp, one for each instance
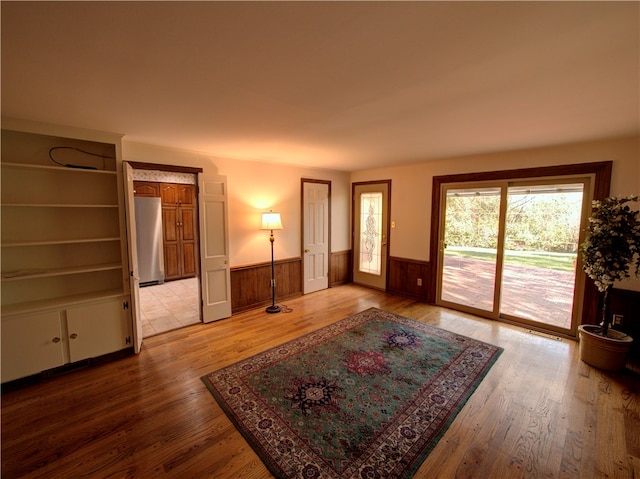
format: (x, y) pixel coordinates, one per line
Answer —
(271, 221)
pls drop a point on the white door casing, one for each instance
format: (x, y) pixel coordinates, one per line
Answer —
(134, 275)
(214, 247)
(315, 226)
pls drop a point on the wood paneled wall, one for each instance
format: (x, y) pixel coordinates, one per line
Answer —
(340, 268)
(404, 275)
(627, 303)
(251, 284)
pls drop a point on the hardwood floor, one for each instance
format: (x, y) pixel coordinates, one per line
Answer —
(540, 412)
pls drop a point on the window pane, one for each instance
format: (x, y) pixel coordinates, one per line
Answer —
(370, 232)
(541, 245)
(470, 246)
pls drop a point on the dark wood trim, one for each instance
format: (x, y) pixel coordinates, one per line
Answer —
(601, 188)
(264, 263)
(388, 232)
(160, 167)
(302, 213)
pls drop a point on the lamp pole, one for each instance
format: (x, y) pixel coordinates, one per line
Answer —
(273, 308)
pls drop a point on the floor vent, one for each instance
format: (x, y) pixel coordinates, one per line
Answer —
(545, 335)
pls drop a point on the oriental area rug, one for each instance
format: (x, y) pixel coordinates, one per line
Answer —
(367, 397)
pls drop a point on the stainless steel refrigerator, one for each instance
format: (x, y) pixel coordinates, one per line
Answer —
(149, 240)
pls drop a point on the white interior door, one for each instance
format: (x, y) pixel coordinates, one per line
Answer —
(134, 274)
(370, 225)
(315, 219)
(214, 247)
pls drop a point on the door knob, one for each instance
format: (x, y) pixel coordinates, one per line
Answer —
(307, 250)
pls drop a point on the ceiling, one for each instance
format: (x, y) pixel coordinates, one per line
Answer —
(339, 85)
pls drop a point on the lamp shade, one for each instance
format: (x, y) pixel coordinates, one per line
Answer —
(271, 221)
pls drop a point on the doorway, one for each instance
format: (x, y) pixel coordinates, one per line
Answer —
(371, 233)
(510, 250)
(170, 288)
(316, 234)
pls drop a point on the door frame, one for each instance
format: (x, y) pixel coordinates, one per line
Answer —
(302, 217)
(496, 312)
(137, 165)
(601, 172)
(387, 232)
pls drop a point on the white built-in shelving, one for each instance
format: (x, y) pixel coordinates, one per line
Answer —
(63, 251)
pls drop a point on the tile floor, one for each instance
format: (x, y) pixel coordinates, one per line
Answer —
(168, 306)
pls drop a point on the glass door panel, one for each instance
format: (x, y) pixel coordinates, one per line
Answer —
(370, 233)
(469, 248)
(541, 242)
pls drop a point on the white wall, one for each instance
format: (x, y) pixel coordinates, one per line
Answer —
(254, 188)
(411, 184)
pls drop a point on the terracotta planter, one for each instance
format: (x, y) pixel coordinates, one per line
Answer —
(608, 353)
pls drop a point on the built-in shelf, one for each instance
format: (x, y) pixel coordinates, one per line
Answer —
(62, 301)
(54, 242)
(45, 205)
(64, 276)
(59, 168)
(29, 274)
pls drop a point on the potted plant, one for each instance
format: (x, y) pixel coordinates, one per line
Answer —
(610, 253)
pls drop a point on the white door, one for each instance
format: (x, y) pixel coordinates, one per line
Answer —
(214, 248)
(134, 274)
(370, 231)
(315, 225)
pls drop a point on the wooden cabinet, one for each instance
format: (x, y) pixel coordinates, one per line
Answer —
(179, 230)
(179, 226)
(178, 195)
(146, 188)
(63, 247)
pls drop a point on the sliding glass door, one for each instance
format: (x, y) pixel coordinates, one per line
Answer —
(509, 250)
(470, 246)
(542, 231)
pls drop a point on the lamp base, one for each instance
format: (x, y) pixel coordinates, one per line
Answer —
(273, 309)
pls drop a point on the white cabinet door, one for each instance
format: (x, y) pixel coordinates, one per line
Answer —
(32, 343)
(97, 329)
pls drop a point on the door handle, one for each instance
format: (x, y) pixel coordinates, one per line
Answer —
(307, 250)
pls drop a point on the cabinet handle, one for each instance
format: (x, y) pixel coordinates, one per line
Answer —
(56, 339)
(73, 336)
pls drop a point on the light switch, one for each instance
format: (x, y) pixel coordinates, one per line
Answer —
(393, 224)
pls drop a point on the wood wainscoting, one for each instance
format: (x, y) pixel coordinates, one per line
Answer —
(404, 276)
(340, 268)
(251, 284)
(627, 303)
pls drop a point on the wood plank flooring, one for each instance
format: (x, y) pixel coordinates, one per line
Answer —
(540, 412)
